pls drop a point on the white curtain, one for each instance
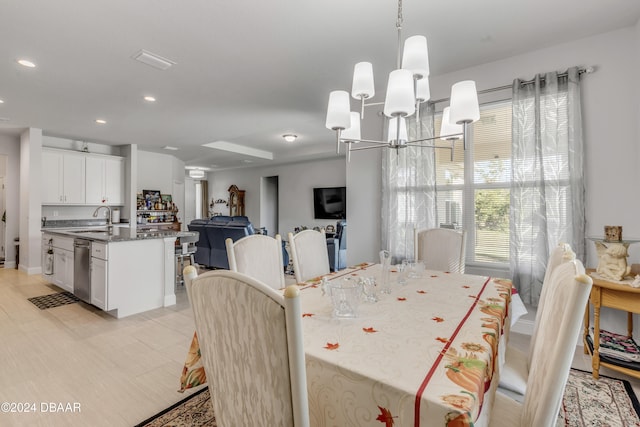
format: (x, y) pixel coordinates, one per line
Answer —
(408, 189)
(547, 193)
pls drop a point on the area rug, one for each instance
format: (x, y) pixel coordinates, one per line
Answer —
(193, 411)
(587, 402)
(54, 300)
(602, 402)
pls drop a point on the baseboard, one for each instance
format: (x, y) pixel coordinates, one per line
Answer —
(9, 264)
(169, 300)
(32, 270)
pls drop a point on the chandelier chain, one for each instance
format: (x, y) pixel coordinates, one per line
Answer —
(399, 21)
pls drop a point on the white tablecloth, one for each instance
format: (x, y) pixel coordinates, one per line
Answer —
(424, 355)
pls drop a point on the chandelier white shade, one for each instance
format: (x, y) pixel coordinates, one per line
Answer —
(338, 110)
(401, 98)
(363, 86)
(397, 136)
(448, 130)
(415, 56)
(464, 102)
(407, 88)
(353, 131)
(422, 90)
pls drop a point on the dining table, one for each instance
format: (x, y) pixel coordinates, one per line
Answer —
(424, 354)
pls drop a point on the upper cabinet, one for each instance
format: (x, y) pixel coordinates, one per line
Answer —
(81, 179)
(63, 177)
(105, 180)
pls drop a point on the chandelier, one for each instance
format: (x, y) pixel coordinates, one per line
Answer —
(407, 88)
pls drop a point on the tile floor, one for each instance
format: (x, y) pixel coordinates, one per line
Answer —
(119, 372)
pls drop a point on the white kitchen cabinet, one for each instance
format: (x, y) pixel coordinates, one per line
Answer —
(62, 260)
(104, 180)
(63, 269)
(99, 275)
(63, 177)
(99, 282)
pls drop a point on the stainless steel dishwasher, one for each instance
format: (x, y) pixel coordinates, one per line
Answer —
(81, 273)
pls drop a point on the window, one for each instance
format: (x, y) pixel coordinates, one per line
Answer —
(473, 187)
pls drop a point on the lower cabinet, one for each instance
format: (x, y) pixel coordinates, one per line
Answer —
(62, 261)
(99, 276)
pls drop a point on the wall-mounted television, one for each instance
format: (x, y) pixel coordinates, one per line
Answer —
(330, 203)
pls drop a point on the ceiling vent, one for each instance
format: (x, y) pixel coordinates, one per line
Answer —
(153, 60)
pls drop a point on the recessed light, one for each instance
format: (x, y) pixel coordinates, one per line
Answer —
(168, 147)
(1, 101)
(101, 121)
(26, 63)
(149, 99)
(289, 137)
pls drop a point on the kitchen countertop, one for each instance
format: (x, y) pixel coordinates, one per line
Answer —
(121, 234)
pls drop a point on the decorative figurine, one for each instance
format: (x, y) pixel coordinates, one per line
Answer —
(613, 233)
(613, 260)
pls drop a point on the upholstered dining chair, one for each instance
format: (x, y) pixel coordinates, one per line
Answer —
(251, 344)
(558, 331)
(515, 369)
(309, 254)
(440, 249)
(258, 256)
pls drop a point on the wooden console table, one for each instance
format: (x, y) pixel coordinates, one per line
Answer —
(616, 296)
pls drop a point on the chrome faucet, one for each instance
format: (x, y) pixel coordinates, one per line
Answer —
(109, 224)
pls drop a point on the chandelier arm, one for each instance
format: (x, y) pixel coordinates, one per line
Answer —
(369, 147)
(428, 146)
(338, 132)
(432, 138)
(370, 141)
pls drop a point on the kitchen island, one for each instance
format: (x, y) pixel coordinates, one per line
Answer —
(121, 271)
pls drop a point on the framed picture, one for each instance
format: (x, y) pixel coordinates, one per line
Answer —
(166, 198)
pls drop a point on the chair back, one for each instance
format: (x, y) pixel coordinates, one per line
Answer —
(258, 256)
(561, 253)
(309, 254)
(341, 233)
(251, 344)
(440, 249)
(558, 331)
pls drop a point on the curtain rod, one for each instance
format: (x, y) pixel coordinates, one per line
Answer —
(581, 71)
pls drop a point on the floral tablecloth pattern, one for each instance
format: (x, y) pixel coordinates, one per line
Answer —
(424, 355)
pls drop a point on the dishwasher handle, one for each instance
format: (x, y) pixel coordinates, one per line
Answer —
(81, 243)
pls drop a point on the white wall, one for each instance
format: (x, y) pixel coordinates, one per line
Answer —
(296, 183)
(30, 199)
(10, 147)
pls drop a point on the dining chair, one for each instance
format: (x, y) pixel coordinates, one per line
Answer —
(309, 254)
(251, 344)
(440, 249)
(515, 369)
(258, 256)
(553, 353)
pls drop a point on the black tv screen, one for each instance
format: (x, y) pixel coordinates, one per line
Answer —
(330, 203)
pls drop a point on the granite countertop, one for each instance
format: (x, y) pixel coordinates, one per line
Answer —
(121, 234)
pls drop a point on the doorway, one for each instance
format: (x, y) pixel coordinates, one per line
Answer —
(269, 204)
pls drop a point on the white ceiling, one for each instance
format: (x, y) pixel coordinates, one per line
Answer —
(246, 72)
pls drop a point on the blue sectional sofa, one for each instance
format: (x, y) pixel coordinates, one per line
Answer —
(210, 249)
